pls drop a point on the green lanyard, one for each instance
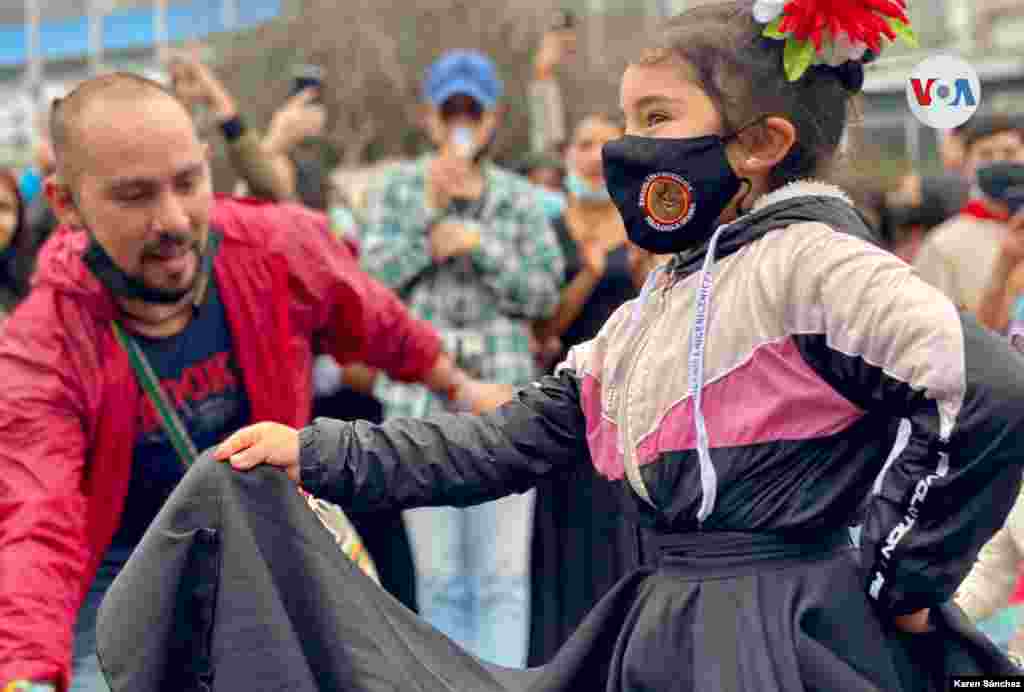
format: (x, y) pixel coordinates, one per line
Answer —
(175, 429)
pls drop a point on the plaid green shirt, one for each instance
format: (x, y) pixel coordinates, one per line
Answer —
(482, 303)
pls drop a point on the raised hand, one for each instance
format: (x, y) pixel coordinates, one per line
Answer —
(298, 119)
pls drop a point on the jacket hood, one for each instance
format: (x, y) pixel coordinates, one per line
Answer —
(60, 266)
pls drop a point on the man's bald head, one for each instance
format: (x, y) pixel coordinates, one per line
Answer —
(68, 114)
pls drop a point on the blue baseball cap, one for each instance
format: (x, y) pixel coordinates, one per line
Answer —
(463, 72)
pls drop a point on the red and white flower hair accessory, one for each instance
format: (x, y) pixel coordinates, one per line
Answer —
(832, 32)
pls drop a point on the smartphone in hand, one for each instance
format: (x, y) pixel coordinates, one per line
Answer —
(564, 20)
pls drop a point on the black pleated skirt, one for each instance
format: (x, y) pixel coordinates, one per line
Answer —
(269, 603)
(582, 544)
(383, 533)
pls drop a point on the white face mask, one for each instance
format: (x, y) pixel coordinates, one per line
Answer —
(463, 142)
(581, 188)
(343, 222)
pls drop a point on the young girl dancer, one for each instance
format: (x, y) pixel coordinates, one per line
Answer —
(745, 402)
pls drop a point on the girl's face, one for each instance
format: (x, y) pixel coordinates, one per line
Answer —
(664, 101)
(658, 101)
(8, 214)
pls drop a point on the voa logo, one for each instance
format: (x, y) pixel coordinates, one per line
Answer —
(943, 92)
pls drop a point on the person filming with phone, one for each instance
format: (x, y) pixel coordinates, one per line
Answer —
(468, 246)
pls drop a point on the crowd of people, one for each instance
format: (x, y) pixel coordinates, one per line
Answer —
(761, 369)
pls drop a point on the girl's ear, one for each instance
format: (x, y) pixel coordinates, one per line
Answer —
(761, 147)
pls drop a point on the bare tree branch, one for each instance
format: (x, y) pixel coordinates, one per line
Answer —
(375, 54)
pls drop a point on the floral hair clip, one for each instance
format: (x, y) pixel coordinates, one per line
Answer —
(832, 32)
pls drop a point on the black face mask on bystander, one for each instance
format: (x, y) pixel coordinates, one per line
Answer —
(122, 284)
(1004, 182)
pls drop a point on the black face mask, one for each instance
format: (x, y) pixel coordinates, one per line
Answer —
(670, 192)
(1004, 182)
(124, 285)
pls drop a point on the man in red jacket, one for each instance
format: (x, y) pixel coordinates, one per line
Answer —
(227, 300)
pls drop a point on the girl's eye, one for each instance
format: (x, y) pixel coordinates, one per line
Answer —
(655, 118)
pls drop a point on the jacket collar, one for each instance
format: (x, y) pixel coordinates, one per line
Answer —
(800, 188)
(797, 202)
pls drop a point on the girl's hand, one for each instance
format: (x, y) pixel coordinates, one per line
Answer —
(263, 443)
(915, 623)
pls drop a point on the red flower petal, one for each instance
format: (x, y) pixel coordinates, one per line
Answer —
(787, 23)
(806, 27)
(816, 34)
(863, 21)
(886, 7)
(871, 38)
(841, 22)
(882, 27)
(833, 26)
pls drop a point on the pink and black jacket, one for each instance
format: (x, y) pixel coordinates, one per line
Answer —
(816, 342)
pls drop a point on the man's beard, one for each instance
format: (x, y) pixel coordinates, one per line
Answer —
(124, 285)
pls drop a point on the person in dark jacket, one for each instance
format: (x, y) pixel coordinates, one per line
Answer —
(15, 257)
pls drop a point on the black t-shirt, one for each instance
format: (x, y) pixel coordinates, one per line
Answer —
(200, 378)
(615, 288)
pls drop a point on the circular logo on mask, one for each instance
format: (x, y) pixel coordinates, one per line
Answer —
(667, 201)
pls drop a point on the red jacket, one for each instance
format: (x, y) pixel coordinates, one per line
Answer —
(1018, 594)
(69, 398)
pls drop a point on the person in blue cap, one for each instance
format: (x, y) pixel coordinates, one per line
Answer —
(469, 247)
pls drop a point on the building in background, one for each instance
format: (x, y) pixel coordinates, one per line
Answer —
(989, 34)
(48, 45)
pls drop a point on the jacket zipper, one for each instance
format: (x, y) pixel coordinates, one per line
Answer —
(630, 461)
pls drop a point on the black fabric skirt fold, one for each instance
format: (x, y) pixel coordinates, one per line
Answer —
(582, 544)
(384, 533)
(240, 560)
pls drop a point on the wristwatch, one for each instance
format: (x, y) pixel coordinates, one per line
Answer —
(233, 128)
(29, 686)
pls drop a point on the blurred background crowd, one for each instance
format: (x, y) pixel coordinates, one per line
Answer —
(496, 112)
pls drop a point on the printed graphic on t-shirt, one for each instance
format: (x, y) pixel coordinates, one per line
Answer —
(205, 397)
